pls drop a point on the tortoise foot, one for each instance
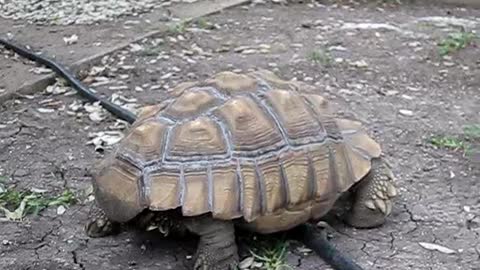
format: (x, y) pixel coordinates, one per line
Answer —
(213, 259)
(373, 197)
(217, 249)
(99, 225)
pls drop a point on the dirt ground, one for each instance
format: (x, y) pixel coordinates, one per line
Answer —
(390, 76)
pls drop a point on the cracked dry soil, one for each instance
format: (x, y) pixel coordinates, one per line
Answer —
(372, 75)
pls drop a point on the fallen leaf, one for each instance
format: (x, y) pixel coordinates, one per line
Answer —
(406, 112)
(61, 210)
(246, 263)
(359, 64)
(96, 112)
(75, 106)
(104, 138)
(41, 70)
(136, 48)
(431, 246)
(38, 190)
(45, 110)
(71, 39)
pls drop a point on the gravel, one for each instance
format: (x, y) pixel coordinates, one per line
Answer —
(66, 12)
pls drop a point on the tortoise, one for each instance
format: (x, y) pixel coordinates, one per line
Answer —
(240, 150)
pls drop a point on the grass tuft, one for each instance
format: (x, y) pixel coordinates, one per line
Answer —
(466, 142)
(455, 42)
(178, 28)
(320, 56)
(268, 253)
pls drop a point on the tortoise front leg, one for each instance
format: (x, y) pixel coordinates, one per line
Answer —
(216, 249)
(373, 197)
(99, 225)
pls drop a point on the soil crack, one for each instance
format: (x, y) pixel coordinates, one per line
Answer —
(77, 261)
(412, 219)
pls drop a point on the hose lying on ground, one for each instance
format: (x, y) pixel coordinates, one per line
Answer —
(84, 91)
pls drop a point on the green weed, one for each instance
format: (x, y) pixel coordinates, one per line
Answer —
(472, 132)
(178, 28)
(447, 142)
(204, 24)
(466, 142)
(455, 42)
(472, 135)
(17, 204)
(320, 56)
(271, 253)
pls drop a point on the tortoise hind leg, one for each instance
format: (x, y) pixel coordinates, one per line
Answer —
(99, 225)
(373, 197)
(216, 249)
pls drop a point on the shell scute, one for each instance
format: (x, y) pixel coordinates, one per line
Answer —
(296, 169)
(270, 173)
(165, 189)
(323, 113)
(251, 192)
(117, 189)
(231, 83)
(323, 171)
(249, 125)
(341, 166)
(196, 199)
(354, 135)
(272, 80)
(226, 193)
(201, 136)
(146, 140)
(150, 111)
(295, 116)
(191, 103)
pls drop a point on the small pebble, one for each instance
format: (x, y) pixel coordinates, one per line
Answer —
(406, 112)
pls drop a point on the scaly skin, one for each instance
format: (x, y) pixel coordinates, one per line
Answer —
(167, 223)
(216, 249)
(373, 197)
(99, 225)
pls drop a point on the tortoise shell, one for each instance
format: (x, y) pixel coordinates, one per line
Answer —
(248, 146)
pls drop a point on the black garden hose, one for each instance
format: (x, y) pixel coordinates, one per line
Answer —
(84, 91)
(316, 240)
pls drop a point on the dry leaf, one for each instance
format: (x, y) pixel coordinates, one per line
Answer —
(71, 40)
(41, 70)
(246, 263)
(45, 110)
(96, 112)
(61, 210)
(104, 138)
(56, 89)
(442, 249)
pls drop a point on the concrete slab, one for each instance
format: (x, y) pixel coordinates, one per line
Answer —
(94, 41)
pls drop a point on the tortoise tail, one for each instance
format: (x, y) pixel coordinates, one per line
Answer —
(316, 240)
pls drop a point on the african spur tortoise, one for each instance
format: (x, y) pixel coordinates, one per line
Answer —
(246, 150)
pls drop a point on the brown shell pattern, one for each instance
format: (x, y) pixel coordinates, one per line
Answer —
(236, 145)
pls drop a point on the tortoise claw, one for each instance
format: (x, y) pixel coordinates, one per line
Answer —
(99, 225)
